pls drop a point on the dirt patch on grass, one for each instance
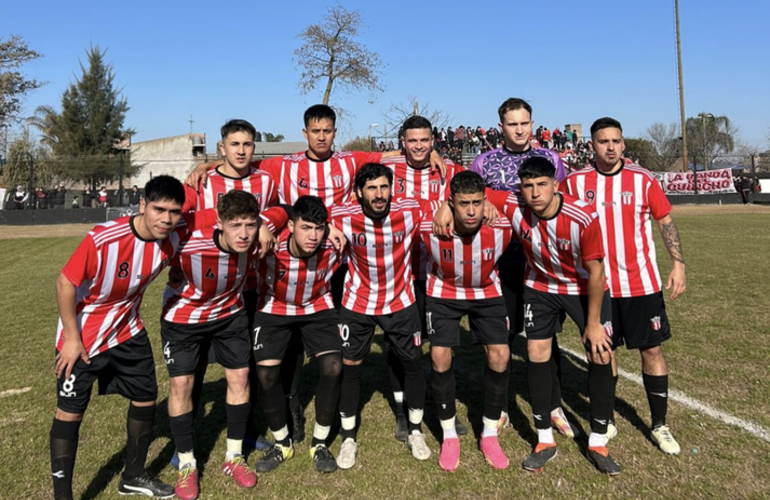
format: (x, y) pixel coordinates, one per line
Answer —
(52, 231)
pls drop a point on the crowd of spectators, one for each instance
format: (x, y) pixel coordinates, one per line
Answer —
(43, 199)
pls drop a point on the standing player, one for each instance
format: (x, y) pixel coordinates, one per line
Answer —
(209, 312)
(295, 298)
(379, 292)
(101, 334)
(462, 279)
(627, 197)
(499, 169)
(413, 178)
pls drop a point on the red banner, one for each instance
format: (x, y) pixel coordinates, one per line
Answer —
(709, 182)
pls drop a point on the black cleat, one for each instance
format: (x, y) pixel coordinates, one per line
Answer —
(274, 457)
(145, 485)
(602, 460)
(323, 459)
(402, 428)
(460, 428)
(541, 455)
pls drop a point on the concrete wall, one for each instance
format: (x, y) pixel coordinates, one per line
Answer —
(175, 156)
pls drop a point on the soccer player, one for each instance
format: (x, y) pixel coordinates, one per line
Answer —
(101, 335)
(319, 171)
(627, 197)
(379, 292)
(295, 298)
(413, 178)
(499, 169)
(462, 279)
(209, 312)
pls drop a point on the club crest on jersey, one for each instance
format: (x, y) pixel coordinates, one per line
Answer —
(321, 273)
(487, 254)
(627, 197)
(434, 185)
(655, 320)
(398, 236)
(337, 181)
(563, 244)
(258, 197)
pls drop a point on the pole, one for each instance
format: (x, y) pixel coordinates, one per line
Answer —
(120, 180)
(31, 198)
(754, 180)
(683, 122)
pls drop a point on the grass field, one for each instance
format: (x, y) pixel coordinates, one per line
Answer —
(719, 355)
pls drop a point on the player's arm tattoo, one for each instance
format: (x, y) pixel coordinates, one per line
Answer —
(670, 235)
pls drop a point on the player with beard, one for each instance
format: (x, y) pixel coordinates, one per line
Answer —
(379, 292)
(462, 279)
(499, 169)
(101, 334)
(295, 298)
(627, 197)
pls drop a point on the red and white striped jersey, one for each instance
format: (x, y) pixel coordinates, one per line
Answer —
(331, 180)
(257, 182)
(555, 248)
(379, 281)
(214, 280)
(626, 201)
(111, 269)
(465, 267)
(295, 286)
(422, 184)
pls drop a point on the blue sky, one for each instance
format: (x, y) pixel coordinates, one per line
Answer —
(574, 61)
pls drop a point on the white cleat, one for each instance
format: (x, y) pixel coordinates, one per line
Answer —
(662, 437)
(419, 447)
(346, 458)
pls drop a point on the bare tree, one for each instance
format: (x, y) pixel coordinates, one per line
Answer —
(330, 53)
(398, 112)
(666, 145)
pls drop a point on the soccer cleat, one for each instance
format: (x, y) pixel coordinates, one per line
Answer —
(187, 483)
(612, 429)
(297, 426)
(561, 424)
(661, 436)
(239, 470)
(418, 446)
(602, 460)
(260, 443)
(541, 455)
(460, 428)
(348, 451)
(323, 459)
(274, 457)
(505, 421)
(493, 454)
(145, 485)
(402, 431)
(450, 454)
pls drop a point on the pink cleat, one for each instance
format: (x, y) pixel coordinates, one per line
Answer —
(450, 454)
(494, 455)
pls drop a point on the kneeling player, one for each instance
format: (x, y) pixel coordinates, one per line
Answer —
(462, 279)
(101, 334)
(209, 311)
(295, 298)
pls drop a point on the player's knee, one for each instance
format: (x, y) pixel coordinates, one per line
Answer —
(330, 364)
(237, 379)
(268, 376)
(66, 416)
(352, 362)
(181, 385)
(441, 358)
(497, 357)
(601, 358)
(539, 351)
(652, 354)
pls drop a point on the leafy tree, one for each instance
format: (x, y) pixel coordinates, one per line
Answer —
(91, 124)
(45, 120)
(21, 153)
(331, 54)
(358, 143)
(270, 137)
(14, 85)
(641, 151)
(709, 136)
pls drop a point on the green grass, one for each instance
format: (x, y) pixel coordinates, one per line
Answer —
(719, 355)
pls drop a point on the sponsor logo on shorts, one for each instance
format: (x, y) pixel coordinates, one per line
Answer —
(67, 388)
(608, 328)
(59, 474)
(655, 320)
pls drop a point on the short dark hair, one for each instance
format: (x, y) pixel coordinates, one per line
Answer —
(414, 121)
(237, 204)
(512, 104)
(371, 171)
(467, 182)
(605, 122)
(320, 112)
(310, 209)
(537, 166)
(164, 187)
(233, 126)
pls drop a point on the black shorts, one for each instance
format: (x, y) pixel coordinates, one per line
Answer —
(487, 319)
(640, 322)
(402, 331)
(228, 338)
(127, 369)
(512, 283)
(273, 334)
(544, 312)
